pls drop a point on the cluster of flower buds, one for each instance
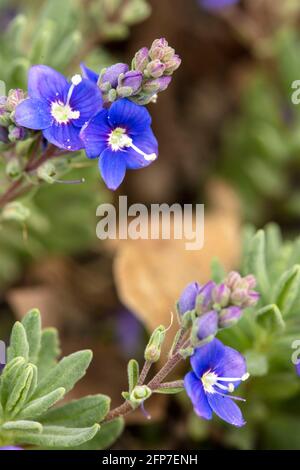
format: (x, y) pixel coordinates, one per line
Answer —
(157, 65)
(215, 306)
(150, 74)
(9, 131)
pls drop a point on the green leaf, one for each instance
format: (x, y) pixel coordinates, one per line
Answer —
(270, 317)
(22, 425)
(38, 407)
(105, 437)
(49, 351)
(256, 261)
(257, 363)
(21, 390)
(217, 270)
(32, 325)
(18, 343)
(58, 436)
(83, 412)
(133, 372)
(65, 374)
(273, 241)
(169, 390)
(11, 372)
(287, 288)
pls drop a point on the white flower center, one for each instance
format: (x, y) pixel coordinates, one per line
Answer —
(118, 140)
(211, 379)
(63, 113)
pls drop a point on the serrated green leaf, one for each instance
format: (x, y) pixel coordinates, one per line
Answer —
(38, 407)
(58, 436)
(286, 289)
(22, 425)
(49, 351)
(83, 412)
(32, 325)
(270, 317)
(18, 343)
(9, 376)
(105, 437)
(133, 372)
(65, 374)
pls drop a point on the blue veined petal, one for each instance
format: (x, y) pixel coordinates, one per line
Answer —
(112, 167)
(298, 368)
(194, 389)
(226, 409)
(134, 117)
(95, 134)
(232, 364)
(45, 83)
(87, 99)
(34, 114)
(65, 136)
(217, 4)
(89, 73)
(146, 142)
(207, 357)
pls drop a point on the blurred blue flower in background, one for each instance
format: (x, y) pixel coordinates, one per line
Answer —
(216, 4)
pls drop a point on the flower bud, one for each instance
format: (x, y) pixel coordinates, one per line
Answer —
(206, 326)
(153, 348)
(239, 296)
(187, 300)
(139, 394)
(204, 300)
(251, 281)
(141, 59)
(232, 279)
(155, 68)
(156, 85)
(229, 316)
(221, 295)
(16, 133)
(111, 74)
(15, 211)
(158, 48)
(172, 64)
(14, 98)
(130, 80)
(47, 172)
(252, 299)
(13, 169)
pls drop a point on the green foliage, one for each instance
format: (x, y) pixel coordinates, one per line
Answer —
(265, 335)
(261, 144)
(34, 380)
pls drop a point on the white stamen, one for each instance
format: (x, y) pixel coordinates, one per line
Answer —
(76, 79)
(210, 380)
(147, 156)
(118, 139)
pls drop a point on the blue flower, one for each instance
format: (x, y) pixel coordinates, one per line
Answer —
(298, 369)
(58, 108)
(217, 370)
(187, 300)
(121, 137)
(11, 448)
(216, 4)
